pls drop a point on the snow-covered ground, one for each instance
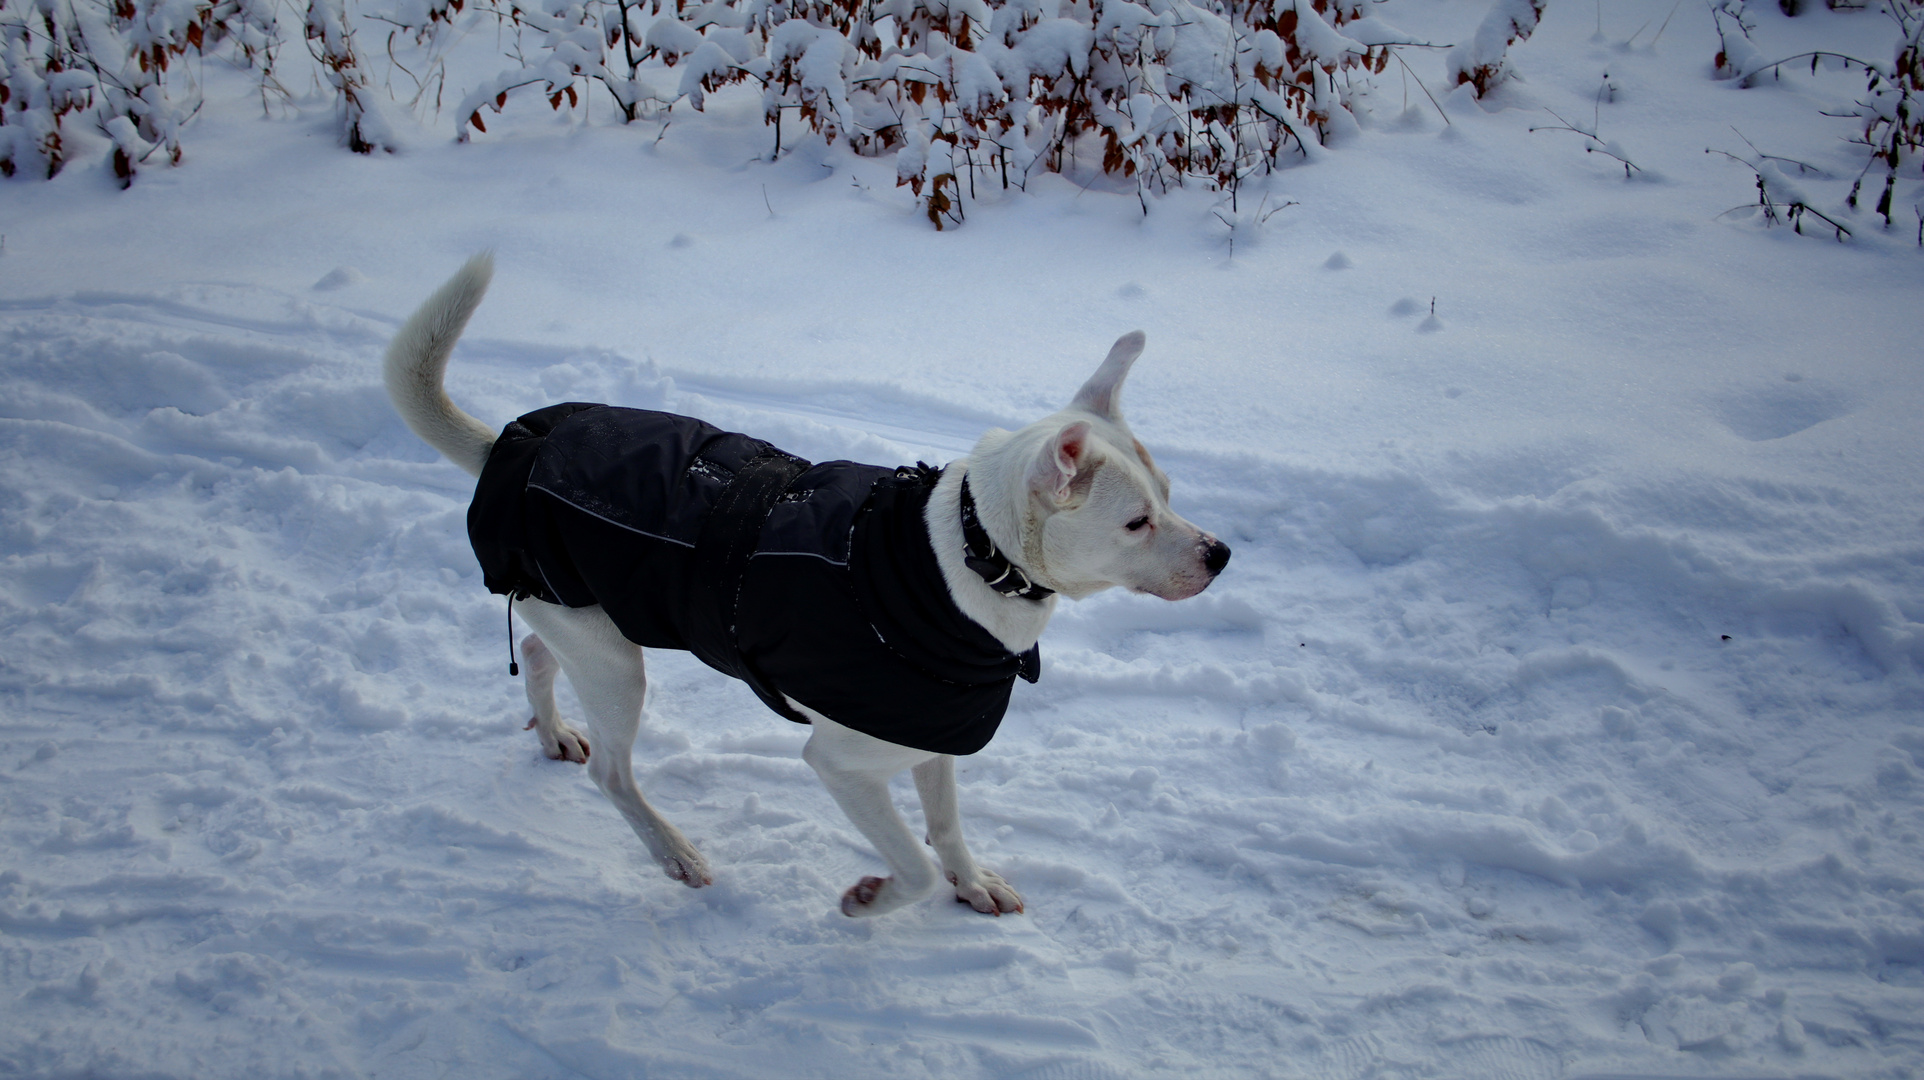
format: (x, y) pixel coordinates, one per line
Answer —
(1558, 716)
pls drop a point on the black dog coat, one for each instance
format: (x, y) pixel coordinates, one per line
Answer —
(814, 582)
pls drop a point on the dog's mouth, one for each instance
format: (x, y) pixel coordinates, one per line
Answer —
(1214, 555)
(1181, 590)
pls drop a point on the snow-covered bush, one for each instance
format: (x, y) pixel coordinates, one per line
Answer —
(113, 65)
(1891, 109)
(1736, 55)
(573, 43)
(1157, 92)
(330, 38)
(38, 90)
(105, 64)
(1154, 93)
(1483, 61)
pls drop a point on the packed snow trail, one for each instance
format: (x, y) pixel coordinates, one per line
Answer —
(1433, 783)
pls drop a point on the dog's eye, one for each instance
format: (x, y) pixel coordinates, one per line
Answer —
(1138, 524)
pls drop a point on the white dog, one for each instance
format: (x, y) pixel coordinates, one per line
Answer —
(1074, 499)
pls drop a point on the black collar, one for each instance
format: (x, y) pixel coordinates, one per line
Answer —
(980, 554)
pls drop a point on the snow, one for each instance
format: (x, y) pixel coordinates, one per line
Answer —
(1558, 715)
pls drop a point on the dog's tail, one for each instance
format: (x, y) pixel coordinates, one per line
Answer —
(418, 357)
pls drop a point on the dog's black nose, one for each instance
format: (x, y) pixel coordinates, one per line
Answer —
(1215, 556)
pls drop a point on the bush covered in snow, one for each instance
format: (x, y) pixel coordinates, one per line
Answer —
(1141, 95)
(1155, 92)
(1890, 110)
(573, 42)
(1482, 61)
(120, 68)
(330, 37)
(113, 64)
(1159, 92)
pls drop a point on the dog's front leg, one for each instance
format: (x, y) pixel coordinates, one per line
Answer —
(983, 890)
(856, 769)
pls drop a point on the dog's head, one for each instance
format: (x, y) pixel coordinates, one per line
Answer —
(1090, 505)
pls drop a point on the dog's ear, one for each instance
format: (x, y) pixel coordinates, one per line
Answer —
(1103, 391)
(1065, 454)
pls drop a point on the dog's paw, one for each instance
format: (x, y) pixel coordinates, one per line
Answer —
(864, 898)
(987, 893)
(873, 896)
(570, 746)
(563, 744)
(690, 869)
(680, 860)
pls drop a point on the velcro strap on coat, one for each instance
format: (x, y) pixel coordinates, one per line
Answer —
(727, 541)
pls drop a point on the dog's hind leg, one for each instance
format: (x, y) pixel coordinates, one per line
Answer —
(558, 740)
(607, 673)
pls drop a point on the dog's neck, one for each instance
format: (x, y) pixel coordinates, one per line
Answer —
(982, 555)
(1016, 622)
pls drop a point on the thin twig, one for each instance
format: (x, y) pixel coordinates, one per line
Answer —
(1666, 24)
(1601, 147)
(1420, 86)
(1803, 166)
(1813, 56)
(1794, 210)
